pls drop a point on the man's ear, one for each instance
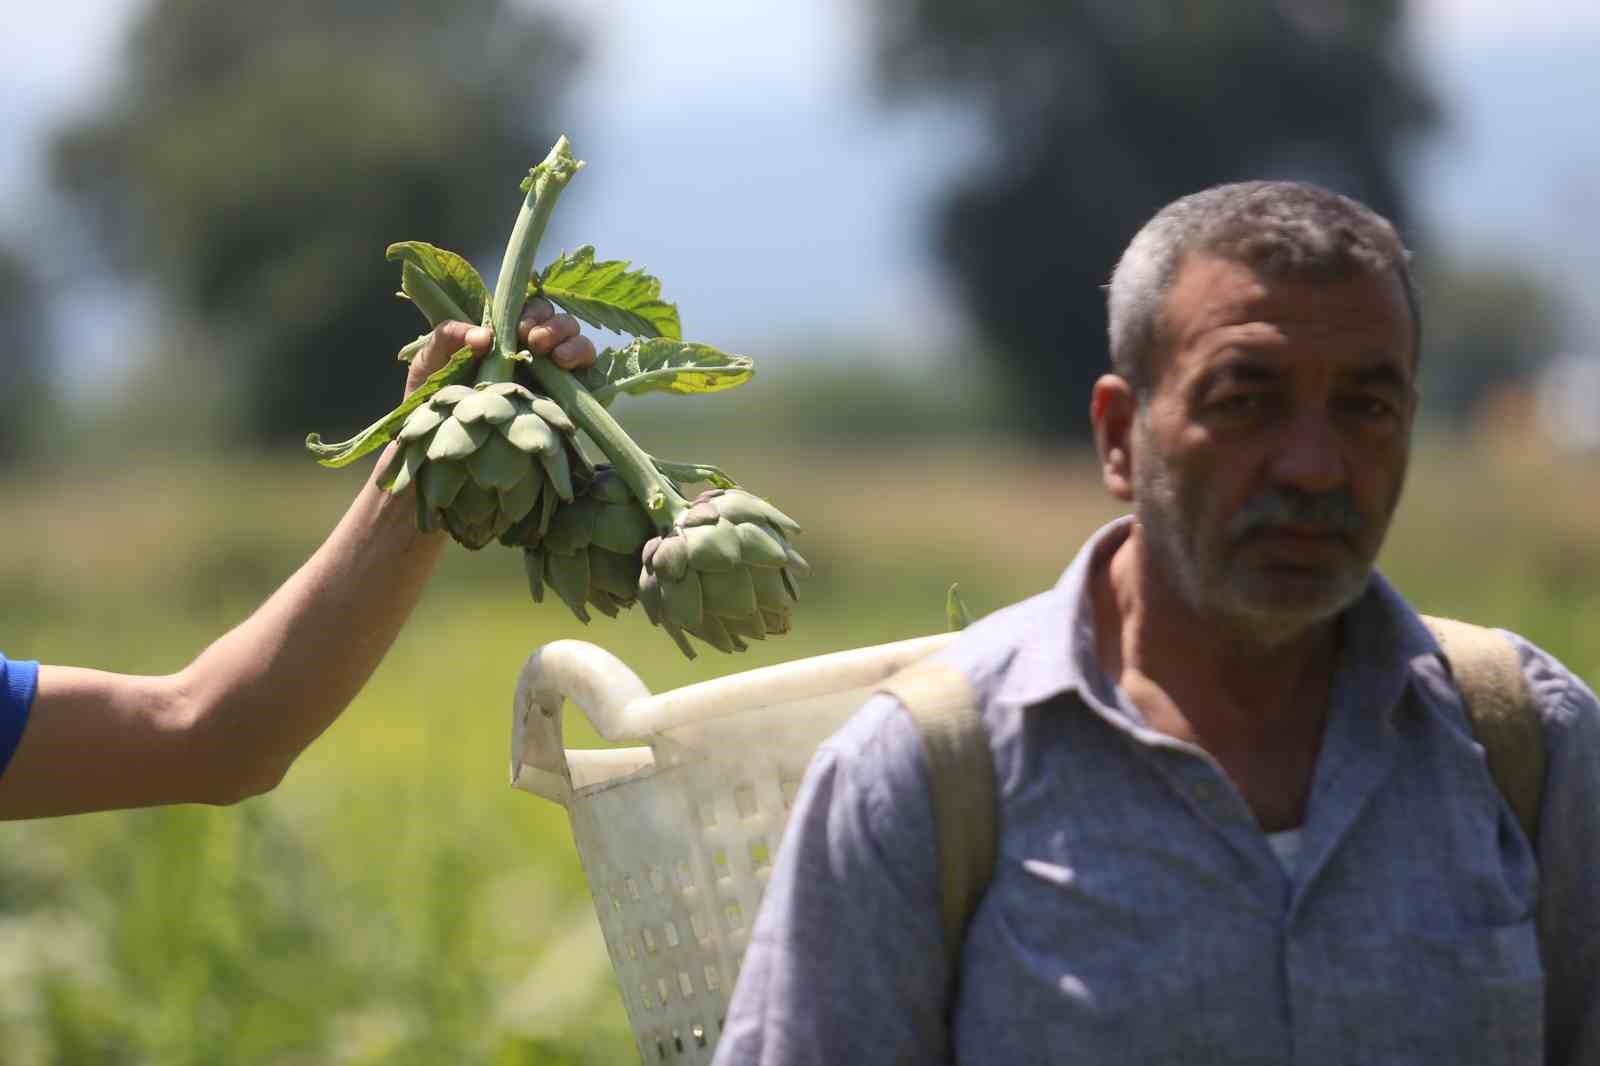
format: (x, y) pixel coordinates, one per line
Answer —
(1112, 409)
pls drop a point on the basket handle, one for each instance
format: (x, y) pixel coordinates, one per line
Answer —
(600, 684)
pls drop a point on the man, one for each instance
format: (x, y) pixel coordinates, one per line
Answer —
(228, 725)
(1241, 815)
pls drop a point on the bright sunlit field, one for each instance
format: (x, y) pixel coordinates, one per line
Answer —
(394, 901)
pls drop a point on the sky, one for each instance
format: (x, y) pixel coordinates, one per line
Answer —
(737, 150)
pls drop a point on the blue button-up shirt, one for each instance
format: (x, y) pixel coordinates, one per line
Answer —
(1137, 913)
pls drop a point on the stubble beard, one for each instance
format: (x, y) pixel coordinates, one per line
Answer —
(1212, 581)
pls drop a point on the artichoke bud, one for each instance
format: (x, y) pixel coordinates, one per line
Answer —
(483, 460)
(722, 573)
(589, 551)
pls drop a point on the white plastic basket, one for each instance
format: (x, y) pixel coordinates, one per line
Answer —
(677, 836)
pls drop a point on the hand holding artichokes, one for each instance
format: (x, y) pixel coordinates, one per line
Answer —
(491, 449)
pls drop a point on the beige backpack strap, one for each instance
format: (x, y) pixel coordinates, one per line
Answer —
(962, 786)
(1501, 709)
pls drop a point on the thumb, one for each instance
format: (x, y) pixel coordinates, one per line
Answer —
(447, 339)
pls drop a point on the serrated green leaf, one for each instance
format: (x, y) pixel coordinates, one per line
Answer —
(454, 275)
(381, 432)
(426, 296)
(663, 365)
(606, 294)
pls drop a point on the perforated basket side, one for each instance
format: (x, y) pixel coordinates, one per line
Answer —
(678, 840)
(677, 861)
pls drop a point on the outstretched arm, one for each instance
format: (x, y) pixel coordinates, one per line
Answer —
(229, 725)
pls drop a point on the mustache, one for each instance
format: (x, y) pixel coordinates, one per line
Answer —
(1331, 513)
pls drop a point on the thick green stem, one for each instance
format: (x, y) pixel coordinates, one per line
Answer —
(660, 499)
(543, 187)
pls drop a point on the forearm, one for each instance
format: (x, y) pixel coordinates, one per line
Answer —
(228, 725)
(266, 689)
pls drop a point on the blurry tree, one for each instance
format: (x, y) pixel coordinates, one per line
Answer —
(255, 160)
(1098, 112)
(1486, 323)
(21, 383)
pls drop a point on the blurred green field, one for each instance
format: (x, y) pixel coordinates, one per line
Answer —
(393, 901)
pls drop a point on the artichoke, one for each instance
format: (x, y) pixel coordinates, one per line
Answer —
(485, 459)
(722, 572)
(490, 443)
(589, 554)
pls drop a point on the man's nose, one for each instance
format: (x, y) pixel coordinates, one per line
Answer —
(1310, 456)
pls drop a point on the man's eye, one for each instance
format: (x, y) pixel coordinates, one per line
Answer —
(1240, 403)
(1371, 408)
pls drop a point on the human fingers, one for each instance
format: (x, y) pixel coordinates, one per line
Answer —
(535, 313)
(447, 339)
(574, 353)
(551, 332)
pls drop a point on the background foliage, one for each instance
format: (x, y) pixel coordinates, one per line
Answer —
(393, 901)
(1098, 113)
(22, 384)
(258, 158)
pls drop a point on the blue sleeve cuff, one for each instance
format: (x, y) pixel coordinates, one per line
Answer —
(18, 681)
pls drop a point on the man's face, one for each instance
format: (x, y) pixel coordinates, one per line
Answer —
(1270, 454)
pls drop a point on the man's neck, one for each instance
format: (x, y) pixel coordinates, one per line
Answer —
(1257, 706)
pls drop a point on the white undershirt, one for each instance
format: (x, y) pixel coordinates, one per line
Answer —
(1285, 845)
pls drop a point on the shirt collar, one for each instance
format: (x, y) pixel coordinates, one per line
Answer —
(1384, 642)
(1060, 653)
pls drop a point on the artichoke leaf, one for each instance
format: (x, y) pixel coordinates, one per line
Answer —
(381, 432)
(533, 565)
(607, 295)
(552, 413)
(621, 528)
(739, 506)
(664, 365)
(712, 549)
(530, 433)
(729, 593)
(454, 441)
(615, 574)
(412, 458)
(522, 497)
(421, 422)
(572, 528)
(559, 469)
(757, 547)
(440, 482)
(671, 557)
(569, 576)
(681, 600)
(456, 277)
(771, 592)
(474, 503)
(498, 464)
(451, 395)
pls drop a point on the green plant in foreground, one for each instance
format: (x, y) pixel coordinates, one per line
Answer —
(491, 445)
(956, 615)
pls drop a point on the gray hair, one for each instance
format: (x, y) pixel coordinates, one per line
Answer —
(1281, 229)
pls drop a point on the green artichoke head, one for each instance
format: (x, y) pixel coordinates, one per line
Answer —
(590, 553)
(724, 572)
(484, 460)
